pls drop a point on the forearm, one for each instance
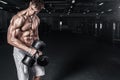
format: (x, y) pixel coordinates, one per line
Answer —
(17, 43)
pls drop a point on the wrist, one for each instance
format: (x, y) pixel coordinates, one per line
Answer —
(29, 51)
(32, 51)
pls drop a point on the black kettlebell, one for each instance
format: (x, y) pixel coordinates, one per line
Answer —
(42, 60)
(30, 60)
(38, 45)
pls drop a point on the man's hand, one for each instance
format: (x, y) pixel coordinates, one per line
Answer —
(39, 53)
(32, 51)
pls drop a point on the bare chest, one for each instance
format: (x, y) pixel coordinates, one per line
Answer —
(29, 24)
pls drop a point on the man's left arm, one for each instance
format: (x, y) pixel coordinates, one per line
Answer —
(36, 34)
(37, 31)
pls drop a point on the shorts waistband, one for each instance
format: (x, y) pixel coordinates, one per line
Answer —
(17, 50)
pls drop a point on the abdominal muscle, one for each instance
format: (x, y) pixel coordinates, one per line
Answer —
(27, 38)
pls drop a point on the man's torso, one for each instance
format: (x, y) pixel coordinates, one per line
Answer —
(26, 32)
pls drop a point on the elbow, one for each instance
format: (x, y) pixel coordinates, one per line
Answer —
(10, 41)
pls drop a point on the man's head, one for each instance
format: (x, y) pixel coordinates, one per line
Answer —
(36, 5)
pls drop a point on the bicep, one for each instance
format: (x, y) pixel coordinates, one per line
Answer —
(14, 25)
(37, 29)
(36, 33)
(11, 33)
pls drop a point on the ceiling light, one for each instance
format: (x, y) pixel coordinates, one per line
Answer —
(102, 12)
(101, 4)
(97, 14)
(84, 12)
(119, 7)
(3, 2)
(69, 10)
(60, 23)
(71, 6)
(68, 13)
(101, 25)
(109, 9)
(50, 5)
(1, 7)
(61, 15)
(88, 10)
(73, 1)
(49, 12)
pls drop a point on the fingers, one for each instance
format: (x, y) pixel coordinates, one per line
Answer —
(39, 53)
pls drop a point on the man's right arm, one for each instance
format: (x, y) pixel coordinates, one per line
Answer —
(12, 36)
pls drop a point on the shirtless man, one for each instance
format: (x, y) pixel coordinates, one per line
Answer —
(22, 31)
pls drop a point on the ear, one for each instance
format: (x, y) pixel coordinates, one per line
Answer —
(30, 3)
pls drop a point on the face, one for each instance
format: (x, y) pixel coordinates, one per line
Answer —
(35, 10)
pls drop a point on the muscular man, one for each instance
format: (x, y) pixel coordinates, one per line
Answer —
(22, 31)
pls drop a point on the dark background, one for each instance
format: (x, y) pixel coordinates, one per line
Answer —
(85, 47)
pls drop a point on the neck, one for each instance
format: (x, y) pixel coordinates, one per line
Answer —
(28, 13)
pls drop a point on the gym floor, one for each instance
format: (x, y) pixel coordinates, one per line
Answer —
(72, 57)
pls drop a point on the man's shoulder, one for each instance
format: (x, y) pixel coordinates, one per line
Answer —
(37, 18)
(17, 16)
(17, 20)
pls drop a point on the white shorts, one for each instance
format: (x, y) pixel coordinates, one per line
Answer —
(22, 70)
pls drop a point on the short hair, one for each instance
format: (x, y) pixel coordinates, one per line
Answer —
(37, 3)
